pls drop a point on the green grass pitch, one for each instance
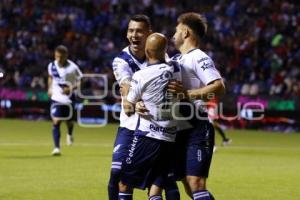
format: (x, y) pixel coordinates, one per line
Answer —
(257, 166)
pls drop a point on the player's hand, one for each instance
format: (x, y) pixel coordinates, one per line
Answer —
(176, 87)
(67, 90)
(49, 92)
(124, 89)
(141, 109)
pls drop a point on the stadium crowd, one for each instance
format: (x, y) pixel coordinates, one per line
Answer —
(253, 43)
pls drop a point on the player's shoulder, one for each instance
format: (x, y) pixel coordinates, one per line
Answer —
(148, 71)
(122, 58)
(72, 64)
(51, 67)
(158, 67)
(51, 64)
(123, 55)
(199, 56)
(176, 57)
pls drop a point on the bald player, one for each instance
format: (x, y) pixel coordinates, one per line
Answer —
(148, 161)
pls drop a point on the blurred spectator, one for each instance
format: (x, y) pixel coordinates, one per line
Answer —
(254, 43)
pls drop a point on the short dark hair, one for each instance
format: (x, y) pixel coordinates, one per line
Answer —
(62, 49)
(194, 21)
(142, 18)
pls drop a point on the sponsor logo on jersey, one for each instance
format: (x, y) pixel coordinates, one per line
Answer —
(162, 129)
(202, 59)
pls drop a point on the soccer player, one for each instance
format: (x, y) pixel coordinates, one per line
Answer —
(130, 60)
(200, 80)
(62, 81)
(148, 162)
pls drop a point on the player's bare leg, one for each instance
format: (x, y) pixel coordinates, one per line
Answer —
(197, 186)
(125, 192)
(187, 188)
(155, 193)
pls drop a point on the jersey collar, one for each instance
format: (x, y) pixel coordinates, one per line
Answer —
(139, 60)
(157, 63)
(67, 64)
(191, 50)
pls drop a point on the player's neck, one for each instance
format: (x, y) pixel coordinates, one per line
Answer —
(152, 61)
(63, 64)
(187, 46)
(139, 55)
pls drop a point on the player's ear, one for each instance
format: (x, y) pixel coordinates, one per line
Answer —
(185, 32)
(147, 53)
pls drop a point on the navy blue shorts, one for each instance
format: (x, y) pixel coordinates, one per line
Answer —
(194, 150)
(62, 111)
(148, 162)
(122, 142)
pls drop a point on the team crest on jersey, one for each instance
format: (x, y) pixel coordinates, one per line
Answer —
(206, 66)
(166, 75)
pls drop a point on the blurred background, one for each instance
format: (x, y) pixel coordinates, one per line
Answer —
(254, 44)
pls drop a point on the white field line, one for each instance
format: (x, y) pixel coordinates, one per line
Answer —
(49, 144)
(256, 147)
(108, 145)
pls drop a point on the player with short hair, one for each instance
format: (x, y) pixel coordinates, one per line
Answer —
(62, 81)
(131, 59)
(148, 162)
(200, 80)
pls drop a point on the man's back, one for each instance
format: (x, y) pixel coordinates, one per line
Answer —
(149, 85)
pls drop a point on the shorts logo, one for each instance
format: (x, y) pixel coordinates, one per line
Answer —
(131, 150)
(116, 148)
(199, 155)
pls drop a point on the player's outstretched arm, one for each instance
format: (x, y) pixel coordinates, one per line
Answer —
(176, 87)
(214, 89)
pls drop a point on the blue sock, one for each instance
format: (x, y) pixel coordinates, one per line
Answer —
(56, 134)
(171, 190)
(155, 197)
(172, 194)
(113, 184)
(125, 196)
(211, 196)
(70, 129)
(202, 195)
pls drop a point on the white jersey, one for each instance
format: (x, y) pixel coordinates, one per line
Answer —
(149, 85)
(63, 76)
(124, 66)
(198, 70)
